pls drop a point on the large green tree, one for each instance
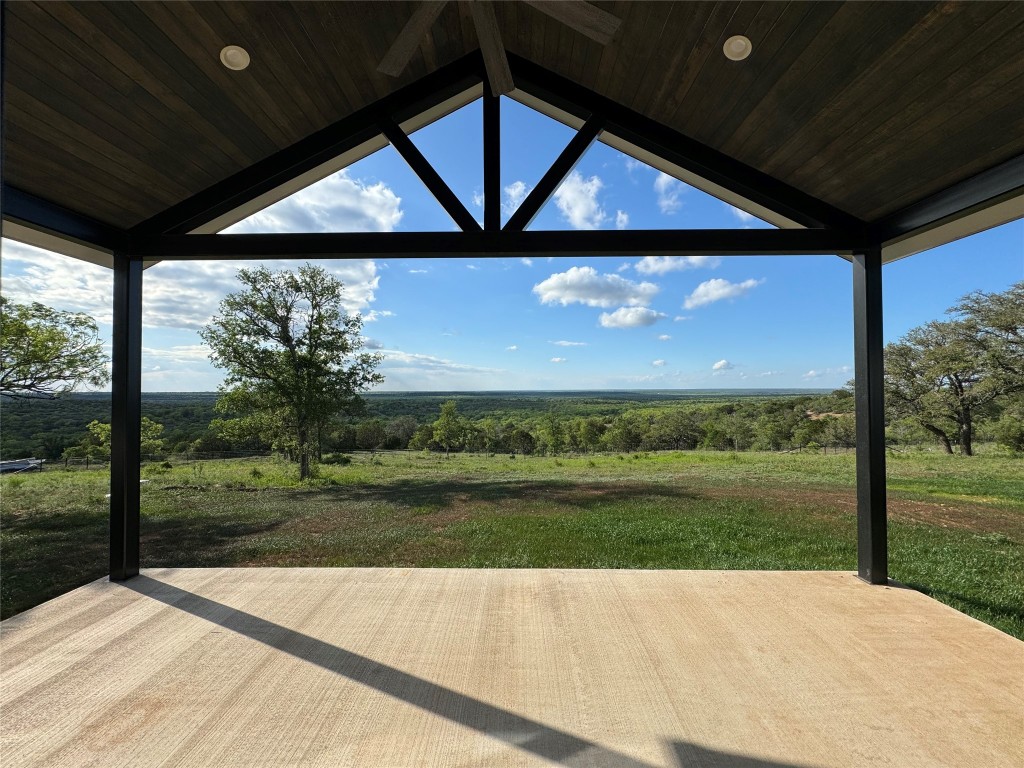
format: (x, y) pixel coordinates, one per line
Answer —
(45, 352)
(946, 374)
(289, 348)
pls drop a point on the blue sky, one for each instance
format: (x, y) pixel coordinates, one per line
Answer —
(581, 323)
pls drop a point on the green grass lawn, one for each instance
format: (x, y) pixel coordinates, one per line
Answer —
(956, 524)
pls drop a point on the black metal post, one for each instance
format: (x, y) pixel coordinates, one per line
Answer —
(872, 544)
(492, 162)
(125, 418)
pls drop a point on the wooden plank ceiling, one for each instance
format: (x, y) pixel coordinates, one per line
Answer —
(120, 110)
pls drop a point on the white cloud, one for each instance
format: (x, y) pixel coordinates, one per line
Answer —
(180, 354)
(374, 315)
(478, 199)
(842, 370)
(568, 343)
(515, 193)
(474, 267)
(417, 271)
(527, 261)
(680, 318)
(630, 317)
(740, 214)
(658, 363)
(558, 359)
(584, 285)
(669, 190)
(623, 267)
(621, 219)
(335, 204)
(32, 274)
(664, 337)
(576, 198)
(659, 265)
(722, 365)
(717, 289)
(512, 348)
(372, 344)
(765, 374)
(632, 164)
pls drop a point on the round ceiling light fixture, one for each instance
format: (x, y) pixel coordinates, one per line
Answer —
(737, 48)
(234, 57)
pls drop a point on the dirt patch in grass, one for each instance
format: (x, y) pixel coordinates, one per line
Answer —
(977, 518)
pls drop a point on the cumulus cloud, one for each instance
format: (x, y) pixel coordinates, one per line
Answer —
(576, 199)
(369, 343)
(515, 193)
(717, 289)
(478, 199)
(527, 261)
(669, 189)
(584, 285)
(33, 274)
(630, 317)
(512, 348)
(664, 337)
(558, 359)
(659, 265)
(417, 271)
(568, 343)
(722, 365)
(335, 204)
(621, 219)
(658, 363)
(680, 318)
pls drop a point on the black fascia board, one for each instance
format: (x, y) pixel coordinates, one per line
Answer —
(999, 183)
(316, 149)
(37, 213)
(501, 243)
(679, 149)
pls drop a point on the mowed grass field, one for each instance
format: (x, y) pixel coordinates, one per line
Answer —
(956, 524)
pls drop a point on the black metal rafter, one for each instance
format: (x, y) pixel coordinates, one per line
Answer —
(872, 541)
(125, 417)
(430, 177)
(45, 216)
(561, 168)
(999, 183)
(502, 243)
(321, 147)
(680, 150)
(492, 161)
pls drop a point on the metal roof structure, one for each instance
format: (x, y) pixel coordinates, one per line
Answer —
(868, 130)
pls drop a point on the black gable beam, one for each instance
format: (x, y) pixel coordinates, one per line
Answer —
(501, 243)
(991, 187)
(680, 150)
(317, 149)
(48, 217)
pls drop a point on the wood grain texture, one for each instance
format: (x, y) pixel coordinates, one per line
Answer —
(854, 103)
(412, 667)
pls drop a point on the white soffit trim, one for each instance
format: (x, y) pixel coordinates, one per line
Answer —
(651, 159)
(954, 228)
(49, 242)
(338, 163)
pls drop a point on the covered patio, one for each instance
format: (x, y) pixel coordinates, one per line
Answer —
(867, 131)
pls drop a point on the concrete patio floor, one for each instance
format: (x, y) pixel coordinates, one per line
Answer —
(418, 667)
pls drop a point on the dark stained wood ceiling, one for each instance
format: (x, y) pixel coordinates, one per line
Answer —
(120, 110)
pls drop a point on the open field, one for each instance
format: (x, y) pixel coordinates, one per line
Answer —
(957, 525)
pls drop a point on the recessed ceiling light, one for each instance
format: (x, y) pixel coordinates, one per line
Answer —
(234, 57)
(737, 47)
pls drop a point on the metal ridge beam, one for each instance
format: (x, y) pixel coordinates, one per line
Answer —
(681, 150)
(484, 244)
(45, 216)
(986, 189)
(321, 147)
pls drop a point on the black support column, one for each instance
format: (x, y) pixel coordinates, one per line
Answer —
(125, 418)
(872, 544)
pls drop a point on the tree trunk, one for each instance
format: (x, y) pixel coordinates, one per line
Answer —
(943, 437)
(303, 435)
(967, 434)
